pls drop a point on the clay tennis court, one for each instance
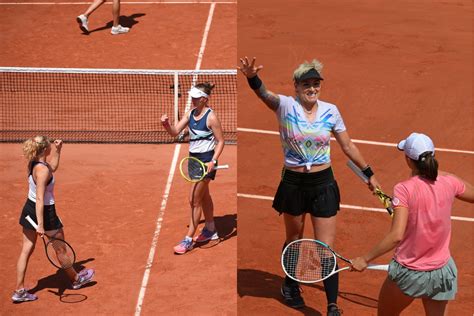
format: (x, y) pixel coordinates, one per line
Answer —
(391, 68)
(124, 206)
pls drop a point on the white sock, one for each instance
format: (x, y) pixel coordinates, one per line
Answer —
(187, 238)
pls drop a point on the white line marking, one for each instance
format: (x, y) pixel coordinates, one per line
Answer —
(151, 255)
(204, 37)
(347, 206)
(359, 141)
(126, 2)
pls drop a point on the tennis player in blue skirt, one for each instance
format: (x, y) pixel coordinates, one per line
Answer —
(206, 144)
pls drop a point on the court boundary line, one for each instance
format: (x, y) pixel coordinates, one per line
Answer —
(357, 141)
(125, 2)
(348, 206)
(151, 254)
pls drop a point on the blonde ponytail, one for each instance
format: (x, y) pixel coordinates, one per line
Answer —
(35, 147)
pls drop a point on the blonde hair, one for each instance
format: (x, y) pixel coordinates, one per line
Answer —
(35, 147)
(307, 66)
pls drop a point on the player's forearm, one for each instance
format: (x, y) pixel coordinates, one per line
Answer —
(54, 161)
(171, 130)
(218, 150)
(39, 211)
(353, 153)
(388, 243)
(271, 99)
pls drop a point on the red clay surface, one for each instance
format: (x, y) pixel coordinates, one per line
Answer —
(392, 68)
(163, 36)
(109, 196)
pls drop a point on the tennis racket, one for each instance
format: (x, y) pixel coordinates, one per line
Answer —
(384, 198)
(311, 261)
(194, 170)
(59, 252)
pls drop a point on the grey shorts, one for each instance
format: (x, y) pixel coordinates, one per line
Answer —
(440, 284)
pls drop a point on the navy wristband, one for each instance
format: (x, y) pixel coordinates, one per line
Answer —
(255, 82)
(368, 172)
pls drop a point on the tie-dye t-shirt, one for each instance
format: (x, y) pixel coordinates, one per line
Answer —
(306, 143)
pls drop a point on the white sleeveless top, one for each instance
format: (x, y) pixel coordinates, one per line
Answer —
(48, 193)
(306, 143)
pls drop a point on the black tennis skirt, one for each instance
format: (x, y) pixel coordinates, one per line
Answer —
(205, 157)
(316, 193)
(50, 218)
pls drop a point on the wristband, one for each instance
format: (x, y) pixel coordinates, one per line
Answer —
(255, 82)
(367, 171)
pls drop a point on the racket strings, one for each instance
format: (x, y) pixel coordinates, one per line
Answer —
(308, 261)
(194, 169)
(60, 254)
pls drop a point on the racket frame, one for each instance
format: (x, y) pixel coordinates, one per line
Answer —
(380, 267)
(35, 226)
(380, 194)
(183, 172)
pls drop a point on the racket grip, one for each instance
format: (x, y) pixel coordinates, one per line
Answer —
(381, 267)
(221, 167)
(29, 219)
(357, 171)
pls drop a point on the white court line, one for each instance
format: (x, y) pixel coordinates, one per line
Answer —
(358, 141)
(151, 255)
(125, 2)
(347, 206)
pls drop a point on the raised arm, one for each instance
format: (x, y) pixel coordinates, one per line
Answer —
(55, 154)
(353, 153)
(250, 71)
(174, 130)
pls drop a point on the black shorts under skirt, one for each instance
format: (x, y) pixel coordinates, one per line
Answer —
(316, 193)
(50, 218)
(206, 157)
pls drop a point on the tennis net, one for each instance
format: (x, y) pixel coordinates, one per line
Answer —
(107, 105)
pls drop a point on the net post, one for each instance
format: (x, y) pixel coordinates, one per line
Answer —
(176, 97)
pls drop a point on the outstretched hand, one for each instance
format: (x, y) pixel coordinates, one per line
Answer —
(248, 67)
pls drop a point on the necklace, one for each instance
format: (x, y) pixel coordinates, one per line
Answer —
(309, 112)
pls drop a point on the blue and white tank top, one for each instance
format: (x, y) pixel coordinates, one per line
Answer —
(306, 143)
(48, 193)
(201, 136)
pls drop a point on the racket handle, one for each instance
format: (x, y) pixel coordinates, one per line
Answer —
(221, 167)
(357, 171)
(29, 219)
(381, 267)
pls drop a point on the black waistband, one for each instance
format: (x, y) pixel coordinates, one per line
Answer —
(310, 178)
(204, 157)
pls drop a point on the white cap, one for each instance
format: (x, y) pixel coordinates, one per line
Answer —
(415, 145)
(197, 93)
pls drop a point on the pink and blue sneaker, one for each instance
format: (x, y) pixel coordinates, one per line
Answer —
(184, 246)
(206, 235)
